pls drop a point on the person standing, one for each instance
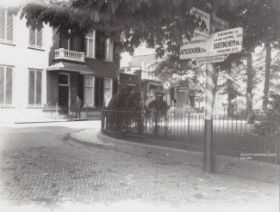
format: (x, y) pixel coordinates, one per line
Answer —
(78, 107)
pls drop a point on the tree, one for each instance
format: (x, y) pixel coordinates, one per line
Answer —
(260, 21)
(127, 21)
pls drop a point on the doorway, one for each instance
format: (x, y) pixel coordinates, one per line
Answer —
(64, 92)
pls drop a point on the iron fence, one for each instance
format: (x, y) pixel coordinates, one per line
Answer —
(231, 136)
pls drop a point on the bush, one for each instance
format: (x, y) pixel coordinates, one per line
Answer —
(160, 106)
(269, 123)
(124, 110)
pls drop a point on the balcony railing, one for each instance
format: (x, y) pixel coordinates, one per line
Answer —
(69, 55)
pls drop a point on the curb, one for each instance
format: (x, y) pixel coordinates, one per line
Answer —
(166, 155)
(40, 122)
(226, 165)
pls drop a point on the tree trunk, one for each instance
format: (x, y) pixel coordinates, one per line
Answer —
(267, 75)
(249, 94)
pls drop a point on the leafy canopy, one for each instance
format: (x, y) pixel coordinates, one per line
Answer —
(161, 23)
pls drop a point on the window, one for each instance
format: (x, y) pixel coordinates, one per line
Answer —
(6, 26)
(88, 91)
(35, 38)
(108, 91)
(6, 85)
(100, 45)
(90, 44)
(63, 79)
(35, 87)
(109, 50)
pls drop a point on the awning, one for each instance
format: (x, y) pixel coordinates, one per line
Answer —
(73, 67)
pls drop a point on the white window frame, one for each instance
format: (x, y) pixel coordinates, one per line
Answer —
(5, 40)
(5, 85)
(111, 87)
(91, 36)
(109, 50)
(93, 90)
(36, 46)
(35, 83)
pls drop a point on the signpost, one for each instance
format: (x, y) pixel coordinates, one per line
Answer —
(211, 48)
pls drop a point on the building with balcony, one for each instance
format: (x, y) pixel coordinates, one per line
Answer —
(43, 71)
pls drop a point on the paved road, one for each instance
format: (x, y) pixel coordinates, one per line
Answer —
(41, 167)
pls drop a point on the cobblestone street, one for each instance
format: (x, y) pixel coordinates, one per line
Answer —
(41, 166)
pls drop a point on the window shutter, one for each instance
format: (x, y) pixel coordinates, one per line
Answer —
(38, 87)
(10, 24)
(32, 37)
(9, 85)
(31, 87)
(39, 38)
(2, 23)
(2, 84)
(101, 90)
(96, 91)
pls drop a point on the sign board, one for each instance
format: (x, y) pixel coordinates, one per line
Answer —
(219, 24)
(198, 47)
(166, 85)
(182, 89)
(203, 20)
(214, 59)
(227, 42)
(219, 43)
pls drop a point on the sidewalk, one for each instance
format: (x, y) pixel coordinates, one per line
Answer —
(93, 137)
(223, 165)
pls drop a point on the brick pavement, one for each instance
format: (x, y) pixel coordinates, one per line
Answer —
(41, 167)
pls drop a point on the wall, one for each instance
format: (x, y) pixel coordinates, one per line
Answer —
(21, 57)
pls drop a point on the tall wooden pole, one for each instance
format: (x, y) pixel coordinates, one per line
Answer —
(209, 107)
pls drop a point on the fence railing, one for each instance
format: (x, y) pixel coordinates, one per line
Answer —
(231, 137)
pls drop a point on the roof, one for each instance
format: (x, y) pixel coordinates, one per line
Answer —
(93, 67)
(73, 67)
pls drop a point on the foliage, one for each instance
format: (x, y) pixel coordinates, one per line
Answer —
(270, 123)
(124, 100)
(157, 22)
(124, 110)
(274, 110)
(159, 106)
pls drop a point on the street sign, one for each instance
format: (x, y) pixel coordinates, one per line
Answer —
(166, 85)
(219, 43)
(197, 47)
(203, 20)
(227, 41)
(214, 59)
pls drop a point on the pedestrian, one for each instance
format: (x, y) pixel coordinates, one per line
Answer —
(78, 107)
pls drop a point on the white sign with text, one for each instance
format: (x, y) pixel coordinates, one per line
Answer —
(219, 43)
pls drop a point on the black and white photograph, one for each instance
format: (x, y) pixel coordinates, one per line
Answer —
(140, 105)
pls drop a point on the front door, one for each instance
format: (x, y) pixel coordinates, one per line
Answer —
(64, 92)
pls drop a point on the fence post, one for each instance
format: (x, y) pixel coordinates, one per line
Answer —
(156, 123)
(189, 131)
